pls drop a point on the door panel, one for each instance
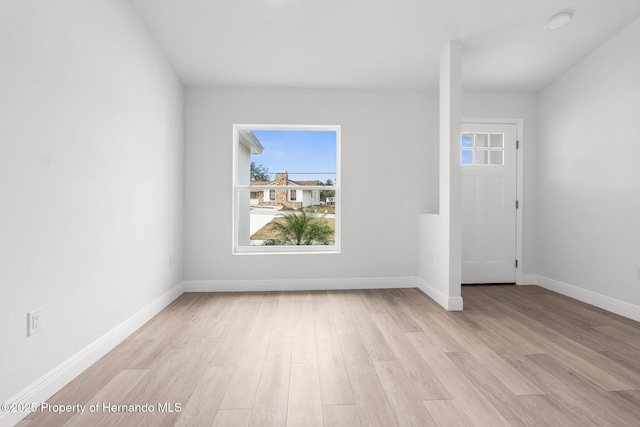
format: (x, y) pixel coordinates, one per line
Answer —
(470, 201)
(488, 203)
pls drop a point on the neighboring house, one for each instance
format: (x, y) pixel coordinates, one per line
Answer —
(290, 198)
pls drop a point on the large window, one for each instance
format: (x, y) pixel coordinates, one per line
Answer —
(294, 171)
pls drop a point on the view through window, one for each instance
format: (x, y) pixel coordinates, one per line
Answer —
(286, 189)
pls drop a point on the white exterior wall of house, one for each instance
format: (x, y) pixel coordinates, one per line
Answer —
(307, 197)
(254, 200)
(310, 197)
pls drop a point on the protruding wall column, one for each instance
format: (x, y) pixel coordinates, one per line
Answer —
(450, 125)
(440, 240)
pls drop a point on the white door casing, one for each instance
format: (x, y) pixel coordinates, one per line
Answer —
(489, 194)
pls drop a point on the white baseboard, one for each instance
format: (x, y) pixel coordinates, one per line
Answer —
(449, 303)
(47, 385)
(299, 284)
(528, 279)
(613, 305)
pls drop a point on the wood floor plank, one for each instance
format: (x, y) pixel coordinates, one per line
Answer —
(204, 402)
(269, 304)
(371, 401)
(624, 361)
(508, 334)
(421, 376)
(573, 354)
(407, 405)
(304, 339)
(341, 312)
(169, 383)
(112, 393)
(372, 300)
(340, 416)
(270, 406)
(396, 307)
(556, 391)
(520, 310)
(242, 388)
(212, 305)
(516, 411)
(438, 336)
(574, 309)
(471, 400)
(170, 320)
(283, 318)
(581, 332)
(622, 333)
(506, 373)
(320, 304)
(232, 418)
(447, 413)
(334, 381)
(420, 302)
(240, 321)
(612, 411)
(305, 401)
(207, 327)
(91, 380)
(372, 338)
(631, 397)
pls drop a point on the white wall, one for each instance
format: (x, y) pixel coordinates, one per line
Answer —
(589, 173)
(516, 106)
(91, 178)
(386, 136)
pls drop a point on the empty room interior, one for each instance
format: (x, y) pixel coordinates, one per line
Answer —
(472, 255)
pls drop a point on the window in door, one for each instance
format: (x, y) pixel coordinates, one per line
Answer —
(479, 148)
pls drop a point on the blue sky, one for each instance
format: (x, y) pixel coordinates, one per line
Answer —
(298, 153)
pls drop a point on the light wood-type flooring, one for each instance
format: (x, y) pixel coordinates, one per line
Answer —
(516, 356)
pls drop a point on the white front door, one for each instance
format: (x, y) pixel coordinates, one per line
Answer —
(489, 158)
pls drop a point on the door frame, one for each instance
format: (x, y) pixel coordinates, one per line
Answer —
(519, 123)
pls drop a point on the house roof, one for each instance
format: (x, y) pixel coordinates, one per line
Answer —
(249, 141)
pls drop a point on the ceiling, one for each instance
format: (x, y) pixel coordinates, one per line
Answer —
(377, 44)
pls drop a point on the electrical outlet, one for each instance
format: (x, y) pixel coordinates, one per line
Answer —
(34, 322)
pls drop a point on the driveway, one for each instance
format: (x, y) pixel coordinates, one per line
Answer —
(259, 217)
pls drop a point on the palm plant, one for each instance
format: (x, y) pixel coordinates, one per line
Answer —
(301, 228)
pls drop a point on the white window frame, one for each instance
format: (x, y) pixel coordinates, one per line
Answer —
(238, 249)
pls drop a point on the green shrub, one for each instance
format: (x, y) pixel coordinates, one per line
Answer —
(302, 228)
